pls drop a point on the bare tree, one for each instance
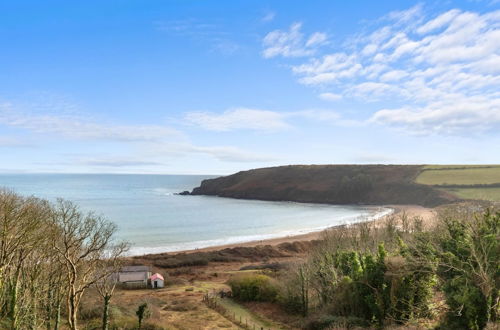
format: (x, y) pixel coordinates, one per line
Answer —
(109, 268)
(83, 240)
(22, 250)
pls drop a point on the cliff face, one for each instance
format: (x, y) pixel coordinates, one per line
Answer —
(332, 184)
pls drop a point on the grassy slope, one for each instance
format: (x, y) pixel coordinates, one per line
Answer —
(239, 312)
(466, 176)
(467, 179)
(488, 194)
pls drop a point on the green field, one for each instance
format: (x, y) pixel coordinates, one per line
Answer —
(468, 175)
(487, 194)
(465, 176)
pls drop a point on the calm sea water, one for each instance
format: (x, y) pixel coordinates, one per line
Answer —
(154, 219)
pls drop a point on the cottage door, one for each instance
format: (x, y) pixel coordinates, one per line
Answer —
(156, 284)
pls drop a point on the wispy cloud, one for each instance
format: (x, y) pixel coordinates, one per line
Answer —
(268, 17)
(330, 96)
(78, 127)
(232, 154)
(259, 120)
(239, 119)
(116, 162)
(292, 43)
(225, 153)
(189, 27)
(143, 146)
(8, 142)
(218, 38)
(445, 69)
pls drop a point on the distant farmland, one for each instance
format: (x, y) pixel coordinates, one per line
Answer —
(468, 182)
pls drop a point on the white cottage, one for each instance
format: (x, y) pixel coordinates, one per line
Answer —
(134, 276)
(157, 281)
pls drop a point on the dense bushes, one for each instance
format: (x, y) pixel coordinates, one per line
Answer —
(253, 287)
(469, 253)
(390, 274)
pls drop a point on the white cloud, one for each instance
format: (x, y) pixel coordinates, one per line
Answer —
(330, 96)
(319, 115)
(292, 43)
(232, 154)
(406, 16)
(449, 116)
(226, 153)
(445, 69)
(259, 120)
(77, 127)
(216, 36)
(116, 162)
(13, 142)
(268, 17)
(317, 38)
(237, 119)
(393, 75)
(438, 22)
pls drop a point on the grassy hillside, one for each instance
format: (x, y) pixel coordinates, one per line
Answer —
(333, 184)
(467, 182)
(468, 175)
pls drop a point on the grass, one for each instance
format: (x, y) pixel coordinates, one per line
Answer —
(488, 194)
(464, 175)
(241, 312)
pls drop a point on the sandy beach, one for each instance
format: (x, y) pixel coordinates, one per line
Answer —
(427, 214)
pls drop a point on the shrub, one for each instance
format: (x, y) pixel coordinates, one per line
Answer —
(330, 321)
(253, 287)
(469, 251)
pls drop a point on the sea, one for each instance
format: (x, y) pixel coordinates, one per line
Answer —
(154, 219)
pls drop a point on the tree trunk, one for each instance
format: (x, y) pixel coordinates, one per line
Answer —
(13, 300)
(72, 322)
(304, 291)
(58, 314)
(48, 309)
(105, 312)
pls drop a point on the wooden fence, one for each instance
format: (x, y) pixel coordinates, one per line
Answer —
(212, 301)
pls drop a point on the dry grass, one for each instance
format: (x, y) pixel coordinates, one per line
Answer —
(179, 305)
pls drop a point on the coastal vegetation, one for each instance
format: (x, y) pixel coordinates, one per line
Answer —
(50, 255)
(400, 271)
(396, 273)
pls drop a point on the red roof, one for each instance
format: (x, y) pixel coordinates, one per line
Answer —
(156, 276)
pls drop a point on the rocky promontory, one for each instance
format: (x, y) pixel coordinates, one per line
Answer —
(331, 184)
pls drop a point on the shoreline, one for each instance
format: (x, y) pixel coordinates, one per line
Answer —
(410, 210)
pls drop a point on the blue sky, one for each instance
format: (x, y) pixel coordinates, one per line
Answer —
(215, 87)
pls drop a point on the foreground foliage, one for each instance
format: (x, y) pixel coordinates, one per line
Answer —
(50, 254)
(253, 287)
(394, 274)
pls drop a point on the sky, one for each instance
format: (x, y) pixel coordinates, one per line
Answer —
(215, 87)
